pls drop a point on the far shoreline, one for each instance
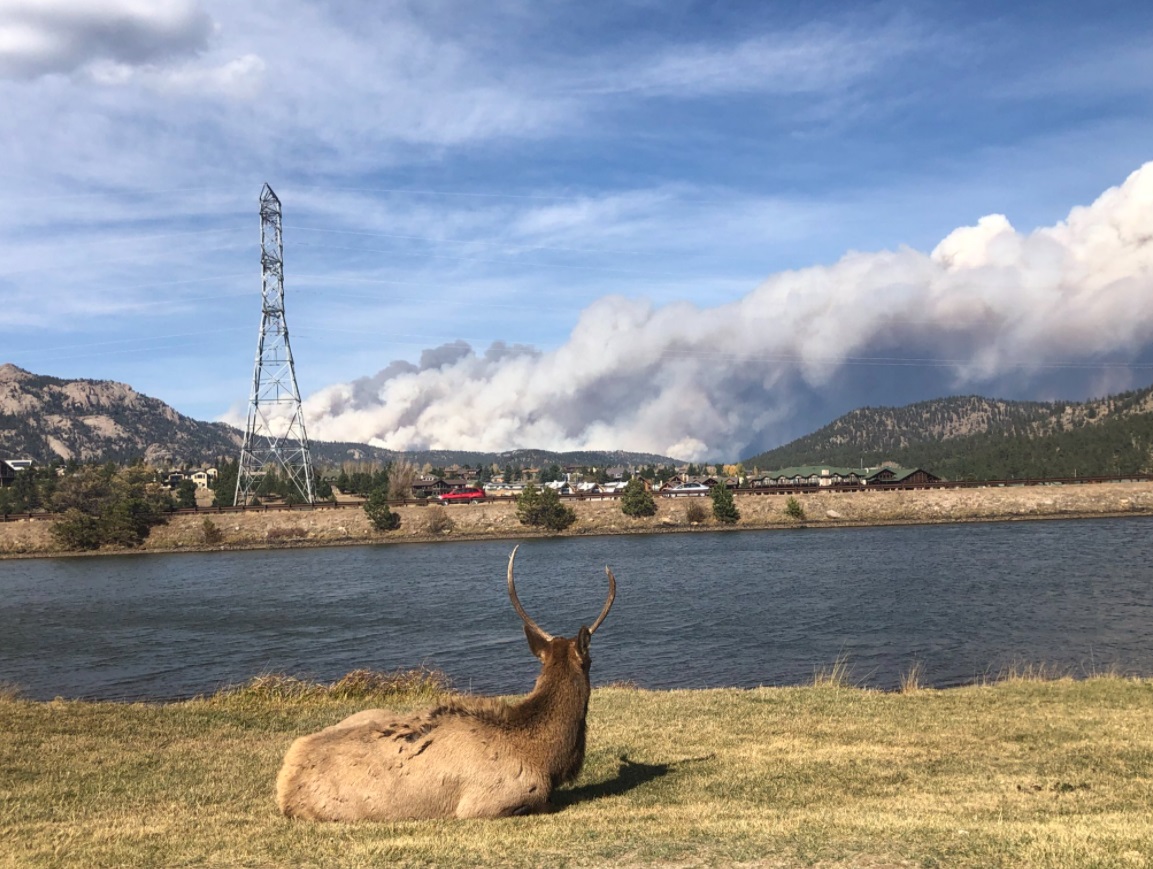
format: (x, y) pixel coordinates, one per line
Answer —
(349, 526)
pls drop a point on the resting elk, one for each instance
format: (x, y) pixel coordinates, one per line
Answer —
(472, 757)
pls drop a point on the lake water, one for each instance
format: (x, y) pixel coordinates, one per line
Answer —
(693, 610)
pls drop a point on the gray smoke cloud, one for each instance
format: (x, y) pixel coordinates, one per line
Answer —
(989, 306)
(40, 37)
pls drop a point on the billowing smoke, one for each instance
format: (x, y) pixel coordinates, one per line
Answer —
(1060, 308)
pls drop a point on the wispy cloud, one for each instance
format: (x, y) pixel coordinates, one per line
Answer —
(806, 61)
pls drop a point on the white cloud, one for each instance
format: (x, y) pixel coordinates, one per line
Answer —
(39, 37)
(699, 382)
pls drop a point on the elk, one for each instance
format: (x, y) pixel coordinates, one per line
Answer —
(472, 757)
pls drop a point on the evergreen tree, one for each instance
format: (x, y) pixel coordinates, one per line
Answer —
(724, 509)
(225, 490)
(636, 500)
(24, 494)
(542, 508)
(379, 513)
(186, 494)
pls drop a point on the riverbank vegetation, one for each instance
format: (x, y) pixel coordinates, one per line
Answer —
(1020, 773)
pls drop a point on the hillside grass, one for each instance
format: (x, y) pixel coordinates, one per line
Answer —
(1020, 773)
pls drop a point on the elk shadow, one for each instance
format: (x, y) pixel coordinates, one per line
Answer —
(630, 775)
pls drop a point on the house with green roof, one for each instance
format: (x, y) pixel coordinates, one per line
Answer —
(826, 475)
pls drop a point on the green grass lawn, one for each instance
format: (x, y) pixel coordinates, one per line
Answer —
(1020, 773)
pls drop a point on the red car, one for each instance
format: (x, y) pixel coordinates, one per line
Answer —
(467, 495)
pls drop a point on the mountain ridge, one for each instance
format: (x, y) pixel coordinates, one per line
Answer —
(46, 418)
(974, 437)
(956, 437)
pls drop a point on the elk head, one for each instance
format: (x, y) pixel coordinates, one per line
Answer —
(554, 650)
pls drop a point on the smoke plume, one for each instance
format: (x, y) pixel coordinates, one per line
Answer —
(1065, 307)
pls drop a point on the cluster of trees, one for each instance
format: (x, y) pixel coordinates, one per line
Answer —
(362, 482)
(108, 505)
(394, 479)
(30, 490)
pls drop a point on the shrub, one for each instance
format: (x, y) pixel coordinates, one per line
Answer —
(542, 508)
(210, 533)
(695, 512)
(636, 500)
(793, 509)
(724, 509)
(379, 514)
(437, 520)
(291, 532)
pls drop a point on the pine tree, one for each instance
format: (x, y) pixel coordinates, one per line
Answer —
(724, 509)
(636, 500)
(543, 508)
(379, 513)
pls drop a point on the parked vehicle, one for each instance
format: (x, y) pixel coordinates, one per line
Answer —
(687, 489)
(464, 495)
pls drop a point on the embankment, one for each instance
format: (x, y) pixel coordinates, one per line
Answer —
(328, 526)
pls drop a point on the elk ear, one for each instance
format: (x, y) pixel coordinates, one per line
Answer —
(583, 637)
(537, 641)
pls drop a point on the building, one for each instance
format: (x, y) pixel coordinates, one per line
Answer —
(819, 476)
(9, 468)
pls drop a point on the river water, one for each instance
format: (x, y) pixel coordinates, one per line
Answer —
(693, 610)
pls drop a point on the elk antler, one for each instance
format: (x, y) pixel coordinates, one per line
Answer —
(516, 601)
(524, 616)
(608, 603)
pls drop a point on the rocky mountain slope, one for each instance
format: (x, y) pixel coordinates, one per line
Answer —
(47, 418)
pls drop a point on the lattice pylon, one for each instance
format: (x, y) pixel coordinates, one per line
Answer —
(275, 437)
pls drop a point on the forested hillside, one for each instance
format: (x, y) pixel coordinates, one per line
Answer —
(970, 437)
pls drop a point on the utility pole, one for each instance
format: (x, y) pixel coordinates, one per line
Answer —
(274, 438)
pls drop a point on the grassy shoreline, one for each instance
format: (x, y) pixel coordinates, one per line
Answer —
(1018, 773)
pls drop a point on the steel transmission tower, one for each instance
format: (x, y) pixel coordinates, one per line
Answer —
(275, 438)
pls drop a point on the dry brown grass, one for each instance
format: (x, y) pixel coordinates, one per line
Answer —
(910, 680)
(372, 685)
(497, 519)
(1018, 774)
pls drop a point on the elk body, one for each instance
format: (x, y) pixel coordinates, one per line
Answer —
(468, 758)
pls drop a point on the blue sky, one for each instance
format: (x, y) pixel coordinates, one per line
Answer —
(699, 229)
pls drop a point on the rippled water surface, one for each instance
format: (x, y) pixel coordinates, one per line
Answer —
(693, 610)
